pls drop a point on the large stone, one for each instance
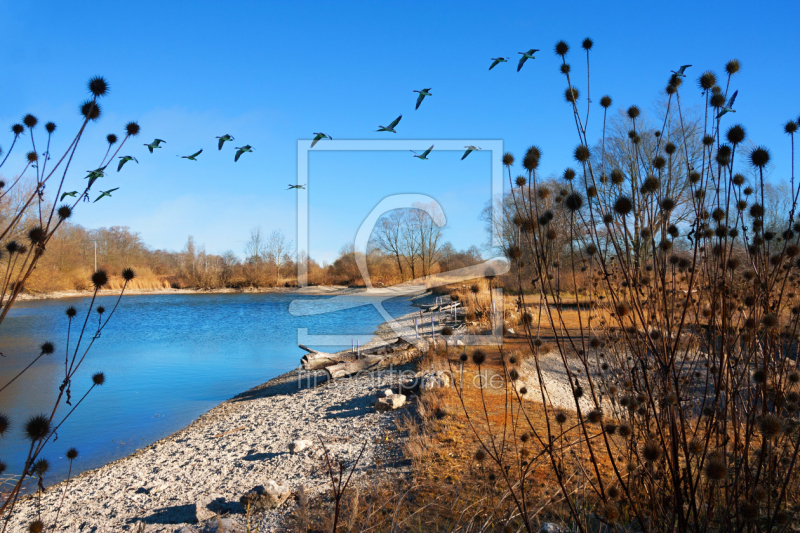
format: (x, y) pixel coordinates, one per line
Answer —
(439, 379)
(390, 403)
(297, 446)
(265, 497)
(222, 525)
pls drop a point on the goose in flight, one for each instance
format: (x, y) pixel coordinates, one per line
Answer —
(124, 160)
(295, 187)
(240, 151)
(94, 175)
(680, 72)
(222, 140)
(193, 156)
(318, 137)
(423, 155)
(422, 94)
(497, 61)
(470, 149)
(155, 144)
(391, 126)
(73, 193)
(106, 193)
(526, 56)
(728, 108)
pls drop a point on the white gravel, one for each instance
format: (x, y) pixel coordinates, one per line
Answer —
(163, 485)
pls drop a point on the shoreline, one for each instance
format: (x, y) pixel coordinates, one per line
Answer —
(202, 469)
(321, 290)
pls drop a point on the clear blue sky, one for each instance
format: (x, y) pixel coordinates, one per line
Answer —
(271, 73)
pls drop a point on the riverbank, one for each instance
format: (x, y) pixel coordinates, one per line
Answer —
(321, 290)
(205, 468)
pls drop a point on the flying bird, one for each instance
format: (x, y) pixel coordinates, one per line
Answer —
(679, 73)
(193, 156)
(106, 193)
(391, 126)
(422, 94)
(222, 140)
(240, 151)
(728, 108)
(318, 137)
(526, 56)
(497, 61)
(424, 154)
(155, 144)
(470, 149)
(94, 175)
(295, 187)
(124, 160)
(73, 193)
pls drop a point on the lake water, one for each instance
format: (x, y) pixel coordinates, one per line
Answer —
(167, 359)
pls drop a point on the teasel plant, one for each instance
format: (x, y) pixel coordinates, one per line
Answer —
(26, 203)
(681, 353)
(30, 217)
(42, 429)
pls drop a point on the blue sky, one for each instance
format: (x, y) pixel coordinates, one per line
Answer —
(272, 73)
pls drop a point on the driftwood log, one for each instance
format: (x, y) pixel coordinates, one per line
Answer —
(315, 360)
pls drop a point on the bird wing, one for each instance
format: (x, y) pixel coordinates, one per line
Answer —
(149, 147)
(73, 193)
(395, 122)
(466, 153)
(496, 62)
(420, 98)
(733, 98)
(198, 153)
(238, 153)
(522, 61)
(119, 167)
(221, 142)
(108, 192)
(683, 67)
(426, 152)
(159, 141)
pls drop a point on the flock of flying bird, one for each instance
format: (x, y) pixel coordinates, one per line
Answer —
(318, 136)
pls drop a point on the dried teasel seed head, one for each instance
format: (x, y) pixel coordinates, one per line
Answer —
(30, 121)
(479, 357)
(508, 159)
(37, 427)
(50, 127)
(47, 348)
(132, 128)
(605, 101)
(17, 129)
(732, 66)
(736, 134)
(790, 127)
(71, 312)
(633, 112)
(37, 235)
(37, 526)
(98, 86)
(561, 48)
(521, 181)
(707, 80)
(759, 157)
(573, 202)
(651, 451)
(98, 378)
(72, 454)
(770, 426)
(5, 423)
(582, 153)
(111, 138)
(99, 279)
(587, 44)
(64, 212)
(565, 68)
(90, 110)
(571, 94)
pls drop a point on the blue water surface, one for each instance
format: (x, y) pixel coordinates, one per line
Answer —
(167, 359)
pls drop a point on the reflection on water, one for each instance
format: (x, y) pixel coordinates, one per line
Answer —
(167, 359)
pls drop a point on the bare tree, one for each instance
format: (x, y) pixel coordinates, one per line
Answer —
(276, 251)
